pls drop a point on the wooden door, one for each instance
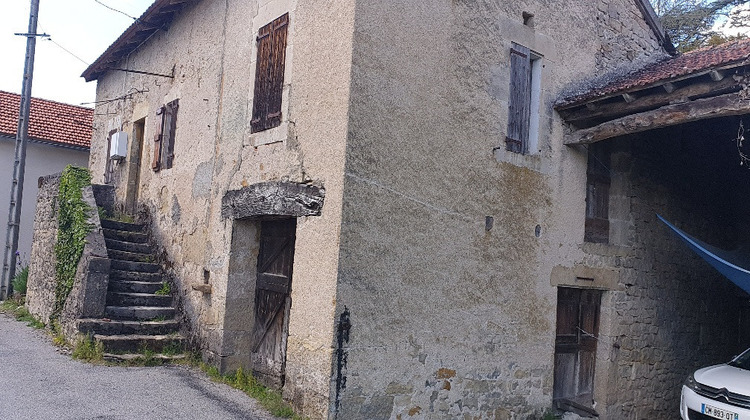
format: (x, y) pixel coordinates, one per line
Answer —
(134, 169)
(575, 347)
(272, 301)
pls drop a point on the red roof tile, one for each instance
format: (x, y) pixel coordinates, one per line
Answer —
(692, 62)
(50, 121)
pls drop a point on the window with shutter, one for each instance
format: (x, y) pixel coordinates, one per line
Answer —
(165, 136)
(598, 179)
(269, 75)
(524, 68)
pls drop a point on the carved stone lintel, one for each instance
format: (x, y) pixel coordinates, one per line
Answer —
(273, 199)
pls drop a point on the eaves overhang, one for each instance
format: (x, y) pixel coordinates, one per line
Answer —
(661, 93)
(157, 17)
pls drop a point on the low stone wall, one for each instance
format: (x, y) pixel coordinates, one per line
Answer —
(87, 298)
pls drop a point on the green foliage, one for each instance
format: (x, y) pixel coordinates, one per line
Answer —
(690, 23)
(88, 349)
(20, 280)
(269, 399)
(165, 290)
(73, 227)
(16, 308)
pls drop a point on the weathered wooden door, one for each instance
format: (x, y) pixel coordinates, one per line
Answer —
(272, 301)
(575, 346)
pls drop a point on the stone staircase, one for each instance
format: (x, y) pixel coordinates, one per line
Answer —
(137, 320)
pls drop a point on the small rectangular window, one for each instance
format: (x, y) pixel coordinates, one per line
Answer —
(165, 137)
(523, 103)
(269, 75)
(598, 180)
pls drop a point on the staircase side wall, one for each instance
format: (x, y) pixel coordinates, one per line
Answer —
(40, 293)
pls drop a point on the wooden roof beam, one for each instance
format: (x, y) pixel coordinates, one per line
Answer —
(646, 102)
(670, 115)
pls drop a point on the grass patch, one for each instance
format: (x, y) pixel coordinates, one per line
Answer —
(88, 349)
(17, 309)
(269, 399)
(20, 280)
(165, 290)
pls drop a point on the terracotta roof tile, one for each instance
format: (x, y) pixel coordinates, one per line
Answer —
(697, 61)
(50, 121)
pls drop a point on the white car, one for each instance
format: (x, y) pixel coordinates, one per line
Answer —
(718, 392)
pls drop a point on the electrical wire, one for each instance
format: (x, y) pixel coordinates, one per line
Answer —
(115, 10)
(49, 38)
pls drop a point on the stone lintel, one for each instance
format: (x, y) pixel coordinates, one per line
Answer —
(273, 199)
(582, 276)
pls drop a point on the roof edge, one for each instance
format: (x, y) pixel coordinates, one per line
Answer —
(653, 21)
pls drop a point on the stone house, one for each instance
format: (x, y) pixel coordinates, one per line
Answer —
(59, 135)
(384, 208)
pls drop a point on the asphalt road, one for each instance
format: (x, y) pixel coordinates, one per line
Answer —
(38, 382)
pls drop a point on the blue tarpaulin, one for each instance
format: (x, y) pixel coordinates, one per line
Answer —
(718, 258)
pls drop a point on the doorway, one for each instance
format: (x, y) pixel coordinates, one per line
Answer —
(272, 300)
(134, 167)
(575, 348)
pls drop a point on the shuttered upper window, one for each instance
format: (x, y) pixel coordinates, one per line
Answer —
(164, 138)
(269, 75)
(598, 179)
(524, 97)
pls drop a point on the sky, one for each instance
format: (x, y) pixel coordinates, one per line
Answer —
(83, 27)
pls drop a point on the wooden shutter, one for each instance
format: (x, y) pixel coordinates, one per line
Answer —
(168, 139)
(269, 74)
(156, 162)
(598, 181)
(519, 103)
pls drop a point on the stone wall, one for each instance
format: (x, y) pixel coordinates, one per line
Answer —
(675, 313)
(448, 244)
(40, 293)
(87, 299)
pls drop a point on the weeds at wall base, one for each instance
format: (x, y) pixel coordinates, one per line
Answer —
(269, 399)
(16, 308)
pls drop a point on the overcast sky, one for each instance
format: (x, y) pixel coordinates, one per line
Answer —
(83, 27)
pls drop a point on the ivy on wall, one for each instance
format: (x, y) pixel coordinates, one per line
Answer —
(73, 226)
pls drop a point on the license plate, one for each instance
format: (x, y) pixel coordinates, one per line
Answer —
(718, 413)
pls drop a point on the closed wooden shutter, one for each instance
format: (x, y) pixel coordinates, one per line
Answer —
(598, 181)
(519, 103)
(156, 161)
(269, 74)
(168, 139)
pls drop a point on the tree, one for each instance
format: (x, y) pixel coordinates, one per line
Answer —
(691, 23)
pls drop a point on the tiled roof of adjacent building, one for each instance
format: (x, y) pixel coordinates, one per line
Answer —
(50, 121)
(691, 63)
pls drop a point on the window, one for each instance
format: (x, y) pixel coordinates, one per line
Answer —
(164, 138)
(598, 178)
(575, 349)
(523, 103)
(269, 75)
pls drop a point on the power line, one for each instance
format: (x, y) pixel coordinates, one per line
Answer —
(115, 10)
(67, 51)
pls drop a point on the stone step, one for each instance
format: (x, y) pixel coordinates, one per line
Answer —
(131, 343)
(138, 299)
(115, 327)
(130, 256)
(121, 275)
(122, 286)
(142, 267)
(129, 227)
(136, 357)
(113, 244)
(139, 313)
(125, 236)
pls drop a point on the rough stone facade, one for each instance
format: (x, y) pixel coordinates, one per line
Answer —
(426, 287)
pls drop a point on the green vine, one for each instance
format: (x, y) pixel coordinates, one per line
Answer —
(73, 227)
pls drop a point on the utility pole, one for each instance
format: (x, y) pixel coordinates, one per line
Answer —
(19, 165)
